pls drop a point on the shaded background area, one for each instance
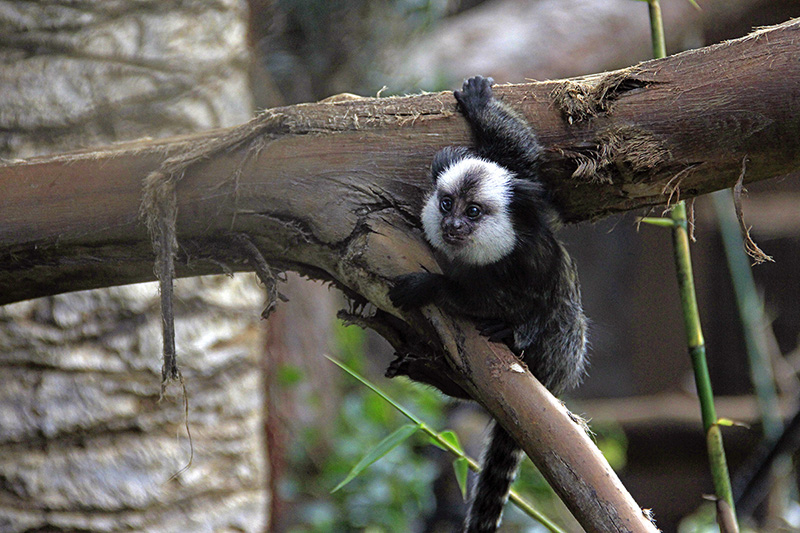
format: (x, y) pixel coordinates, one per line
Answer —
(640, 391)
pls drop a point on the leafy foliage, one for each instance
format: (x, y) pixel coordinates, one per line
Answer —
(390, 494)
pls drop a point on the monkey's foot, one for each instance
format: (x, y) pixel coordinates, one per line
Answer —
(432, 371)
(497, 331)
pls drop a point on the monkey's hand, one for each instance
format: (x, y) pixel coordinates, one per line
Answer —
(475, 94)
(411, 291)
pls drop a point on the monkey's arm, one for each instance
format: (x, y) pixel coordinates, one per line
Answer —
(411, 291)
(500, 134)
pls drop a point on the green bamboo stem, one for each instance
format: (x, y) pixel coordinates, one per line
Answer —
(697, 352)
(657, 29)
(751, 312)
(691, 315)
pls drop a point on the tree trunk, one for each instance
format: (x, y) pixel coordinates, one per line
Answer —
(85, 445)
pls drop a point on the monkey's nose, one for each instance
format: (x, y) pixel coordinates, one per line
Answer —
(453, 225)
(454, 231)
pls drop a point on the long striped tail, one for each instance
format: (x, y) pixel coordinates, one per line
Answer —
(501, 460)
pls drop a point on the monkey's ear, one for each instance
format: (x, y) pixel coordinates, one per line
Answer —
(528, 198)
(530, 202)
(446, 157)
(527, 190)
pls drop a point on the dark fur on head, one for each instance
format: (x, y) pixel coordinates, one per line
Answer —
(490, 223)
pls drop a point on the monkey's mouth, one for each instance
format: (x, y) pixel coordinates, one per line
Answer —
(455, 239)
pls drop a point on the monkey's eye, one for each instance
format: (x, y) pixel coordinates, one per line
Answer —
(446, 204)
(473, 211)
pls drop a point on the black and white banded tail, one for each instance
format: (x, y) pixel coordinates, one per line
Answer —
(500, 462)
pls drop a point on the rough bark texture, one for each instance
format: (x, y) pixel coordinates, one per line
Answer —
(101, 72)
(84, 443)
(332, 190)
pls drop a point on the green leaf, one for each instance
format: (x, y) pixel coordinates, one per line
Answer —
(376, 390)
(433, 440)
(452, 439)
(382, 448)
(730, 423)
(461, 467)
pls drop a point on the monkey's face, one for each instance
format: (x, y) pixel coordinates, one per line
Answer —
(467, 215)
(460, 217)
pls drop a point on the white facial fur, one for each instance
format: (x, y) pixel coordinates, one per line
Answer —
(494, 236)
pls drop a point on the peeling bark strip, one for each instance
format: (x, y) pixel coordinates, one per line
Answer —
(332, 190)
(750, 247)
(633, 149)
(159, 209)
(160, 206)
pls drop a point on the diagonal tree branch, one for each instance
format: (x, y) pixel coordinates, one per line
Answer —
(332, 190)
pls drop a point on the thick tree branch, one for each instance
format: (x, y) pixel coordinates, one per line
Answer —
(332, 190)
(633, 138)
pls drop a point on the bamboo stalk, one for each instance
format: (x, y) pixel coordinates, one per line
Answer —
(751, 312)
(726, 514)
(697, 352)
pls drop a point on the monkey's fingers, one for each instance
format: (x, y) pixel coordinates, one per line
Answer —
(475, 94)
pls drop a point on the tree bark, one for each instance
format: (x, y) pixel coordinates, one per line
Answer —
(333, 190)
